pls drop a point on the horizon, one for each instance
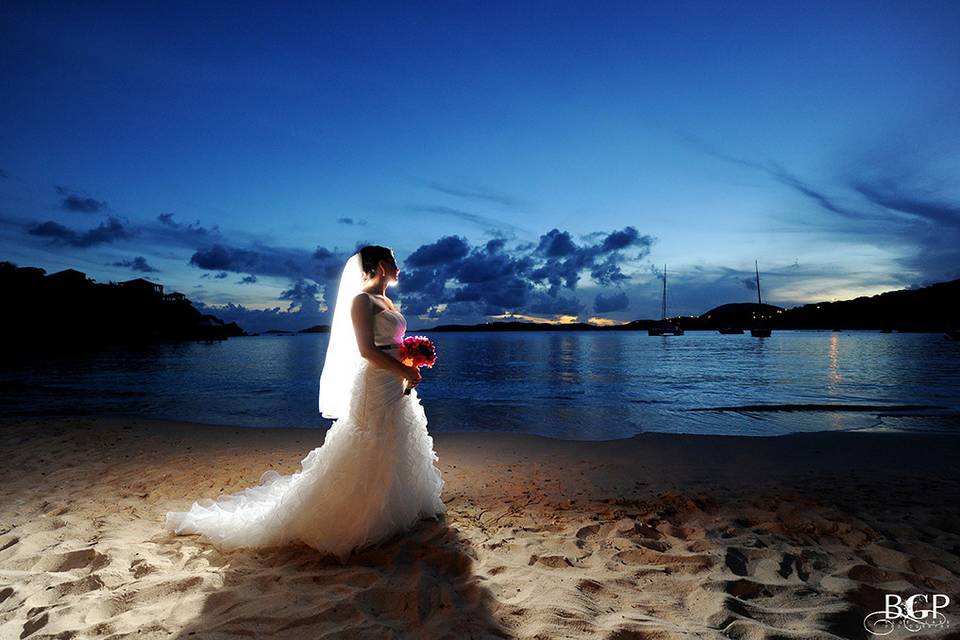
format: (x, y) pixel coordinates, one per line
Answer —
(541, 162)
(506, 318)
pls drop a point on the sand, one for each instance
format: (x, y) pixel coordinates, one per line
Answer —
(658, 536)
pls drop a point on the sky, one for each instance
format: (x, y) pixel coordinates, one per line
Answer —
(541, 161)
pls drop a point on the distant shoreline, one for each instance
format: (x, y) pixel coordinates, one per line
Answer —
(546, 327)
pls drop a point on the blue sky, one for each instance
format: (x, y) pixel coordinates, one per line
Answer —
(536, 159)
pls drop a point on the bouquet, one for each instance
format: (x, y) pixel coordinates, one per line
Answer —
(418, 351)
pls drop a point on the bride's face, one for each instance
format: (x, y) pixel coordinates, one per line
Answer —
(390, 270)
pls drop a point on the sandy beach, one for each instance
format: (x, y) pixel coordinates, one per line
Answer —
(659, 536)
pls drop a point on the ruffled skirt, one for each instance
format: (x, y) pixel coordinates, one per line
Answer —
(373, 477)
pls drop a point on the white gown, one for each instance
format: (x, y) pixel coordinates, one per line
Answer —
(373, 476)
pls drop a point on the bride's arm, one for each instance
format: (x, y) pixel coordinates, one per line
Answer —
(362, 313)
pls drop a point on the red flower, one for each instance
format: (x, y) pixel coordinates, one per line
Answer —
(420, 350)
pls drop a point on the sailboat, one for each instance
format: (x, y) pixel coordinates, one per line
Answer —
(664, 327)
(761, 326)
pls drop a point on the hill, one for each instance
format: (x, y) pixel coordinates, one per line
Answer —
(933, 308)
(69, 310)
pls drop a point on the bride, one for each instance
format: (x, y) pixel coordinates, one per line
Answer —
(374, 474)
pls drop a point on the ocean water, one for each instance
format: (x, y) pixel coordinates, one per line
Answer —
(573, 385)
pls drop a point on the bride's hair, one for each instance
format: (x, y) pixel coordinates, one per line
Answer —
(370, 257)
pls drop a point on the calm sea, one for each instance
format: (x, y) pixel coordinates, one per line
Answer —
(575, 385)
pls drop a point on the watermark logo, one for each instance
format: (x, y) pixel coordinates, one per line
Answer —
(917, 613)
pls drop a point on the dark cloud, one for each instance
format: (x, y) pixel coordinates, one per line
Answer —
(71, 201)
(109, 231)
(303, 297)
(750, 283)
(492, 279)
(627, 237)
(312, 275)
(893, 197)
(602, 258)
(165, 231)
(613, 302)
(193, 229)
(219, 257)
(137, 264)
(444, 250)
(608, 272)
(167, 220)
(449, 278)
(496, 245)
(320, 265)
(556, 243)
(352, 221)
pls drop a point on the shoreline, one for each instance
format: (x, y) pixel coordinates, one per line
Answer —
(946, 421)
(654, 536)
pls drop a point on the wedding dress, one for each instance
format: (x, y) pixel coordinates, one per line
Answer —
(373, 476)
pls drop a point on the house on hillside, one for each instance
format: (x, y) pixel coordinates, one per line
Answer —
(68, 278)
(139, 285)
(176, 296)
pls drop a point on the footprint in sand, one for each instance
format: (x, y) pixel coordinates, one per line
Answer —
(554, 562)
(80, 559)
(34, 624)
(737, 562)
(141, 567)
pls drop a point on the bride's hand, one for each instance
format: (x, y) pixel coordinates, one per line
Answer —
(412, 376)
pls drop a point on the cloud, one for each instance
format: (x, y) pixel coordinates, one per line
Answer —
(444, 250)
(608, 272)
(302, 296)
(219, 257)
(556, 243)
(352, 221)
(614, 302)
(313, 275)
(164, 232)
(627, 237)
(493, 279)
(566, 260)
(450, 277)
(72, 201)
(166, 219)
(109, 231)
(485, 222)
(892, 200)
(895, 198)
(259, 320)
(474, 193)
(137, 264)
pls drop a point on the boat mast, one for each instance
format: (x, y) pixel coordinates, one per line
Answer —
(755, 266)
(663, 306)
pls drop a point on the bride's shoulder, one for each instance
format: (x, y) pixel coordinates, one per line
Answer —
(363, 299)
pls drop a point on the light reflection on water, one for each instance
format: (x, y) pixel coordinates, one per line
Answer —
(581, 385)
